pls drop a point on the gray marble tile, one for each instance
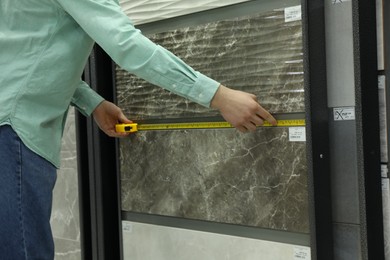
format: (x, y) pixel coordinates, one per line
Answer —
(65, 212)
(254, 179)
(67, 249)
(259, 54)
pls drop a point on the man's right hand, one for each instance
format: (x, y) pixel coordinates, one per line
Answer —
(240, 109)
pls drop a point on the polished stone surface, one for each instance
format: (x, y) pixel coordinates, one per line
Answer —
(224, 176)
(65, 212)
(257, 179)
(259, 54)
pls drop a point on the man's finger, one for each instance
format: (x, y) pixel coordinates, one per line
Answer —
(264, 114)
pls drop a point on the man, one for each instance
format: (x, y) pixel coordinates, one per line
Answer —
(44, 47)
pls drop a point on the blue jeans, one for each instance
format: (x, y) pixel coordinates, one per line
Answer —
(26, 184)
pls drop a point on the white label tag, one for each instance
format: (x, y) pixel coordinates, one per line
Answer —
(301, 253)
(381, 81)
(127, 227)
(297, 134)
(384, 171)
(293, 13)
(344, 113)
(385, 184)
(339, 1)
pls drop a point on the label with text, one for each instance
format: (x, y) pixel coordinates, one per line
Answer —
(344, 113)
(293, 13)
(127, 227)
(339, 1)
(385, 184)
(302, 253)
(384, 170)
(297, 134)
(381, 81)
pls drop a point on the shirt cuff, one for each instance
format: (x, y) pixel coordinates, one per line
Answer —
(86, 99)
(203, 90)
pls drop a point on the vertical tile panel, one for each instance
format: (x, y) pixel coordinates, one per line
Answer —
(380, 41)
(65, 213)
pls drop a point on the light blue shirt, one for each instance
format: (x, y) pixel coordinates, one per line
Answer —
(44, 45)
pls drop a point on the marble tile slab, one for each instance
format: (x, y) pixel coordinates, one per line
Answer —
(260, 54)
(64, 220)
(224, 176)
(67, 249)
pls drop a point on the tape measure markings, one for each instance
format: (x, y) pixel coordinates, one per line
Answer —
(198, 125)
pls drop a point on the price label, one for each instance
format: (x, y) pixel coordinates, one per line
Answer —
(302, 253)
(297, 134)
(127, 227)
(339, 1)
(384, 170)
(385, 184)
(293, 13)
(381, 82)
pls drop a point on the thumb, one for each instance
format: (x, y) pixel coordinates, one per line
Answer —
(123, 119)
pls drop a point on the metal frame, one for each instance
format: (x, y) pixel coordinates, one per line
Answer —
(386, 40)
(367, 124)
(99, 194)
(317, 130)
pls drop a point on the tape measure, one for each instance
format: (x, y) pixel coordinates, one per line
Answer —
(134, 127)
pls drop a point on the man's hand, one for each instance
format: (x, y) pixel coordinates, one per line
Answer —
(107, 115)
(240, 109)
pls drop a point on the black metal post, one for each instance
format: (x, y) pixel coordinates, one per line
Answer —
(367, 113)
(99, 202)
(317, 128)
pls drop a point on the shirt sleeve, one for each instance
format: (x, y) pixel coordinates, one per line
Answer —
(105, 22)
(85, 99)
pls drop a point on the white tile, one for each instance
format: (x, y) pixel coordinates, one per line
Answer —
(143, 11)
(379, 22)
(152, 242)
(386, 215)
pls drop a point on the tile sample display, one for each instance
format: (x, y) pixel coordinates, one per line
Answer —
(256, 179)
